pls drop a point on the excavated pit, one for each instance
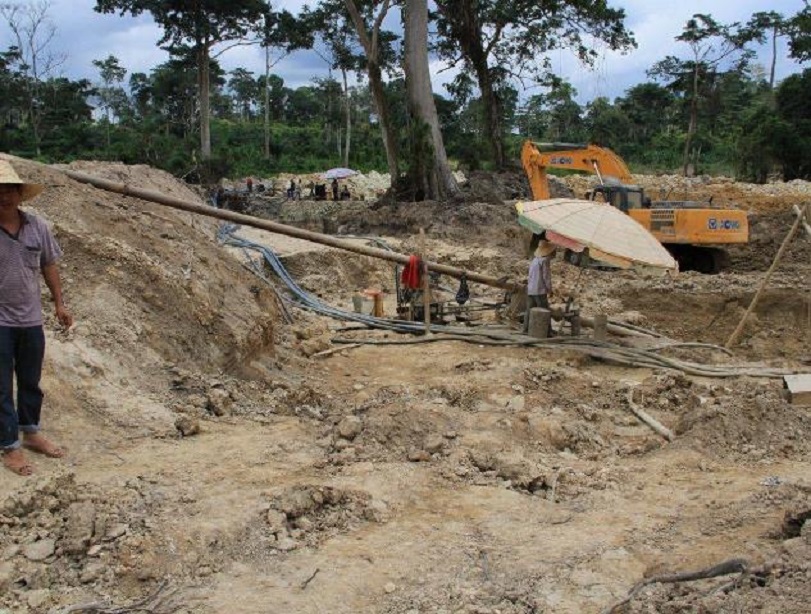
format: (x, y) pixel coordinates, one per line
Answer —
(210, 448)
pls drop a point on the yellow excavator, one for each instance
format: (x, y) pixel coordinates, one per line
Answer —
(693, 232)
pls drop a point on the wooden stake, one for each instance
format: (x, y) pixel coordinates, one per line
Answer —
(737, 332)
(799, 213)
(426, 285)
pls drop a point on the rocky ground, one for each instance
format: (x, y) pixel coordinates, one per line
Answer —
(217, 465)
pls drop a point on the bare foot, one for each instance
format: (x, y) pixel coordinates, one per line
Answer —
(36, 442)
(14, 461)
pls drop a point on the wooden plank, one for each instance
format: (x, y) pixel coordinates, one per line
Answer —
(799, 388)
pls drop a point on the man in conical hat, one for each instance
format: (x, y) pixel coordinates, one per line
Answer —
(539, 281)
(27, 250)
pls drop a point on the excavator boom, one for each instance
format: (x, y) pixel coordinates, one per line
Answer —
(573, 156)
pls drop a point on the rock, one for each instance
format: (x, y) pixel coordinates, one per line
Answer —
(219, 402)
(277, 522)
(10, 552)
(390, 587)
(115, 531)
(81, 518)
(419, 456)
(6, 576)
(297, 502)
(517, 403)
(39, 551)
(187, 426)
(94, 550)
(286, 544)
(92, 572)
(358, 387)
(797, 547)
(304, 523)
(350, 427)
(434, 444)
(342, 444)
(37, 599)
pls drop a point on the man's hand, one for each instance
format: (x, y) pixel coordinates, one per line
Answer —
(64, 316)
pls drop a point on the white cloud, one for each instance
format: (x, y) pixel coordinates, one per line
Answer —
(86, 35)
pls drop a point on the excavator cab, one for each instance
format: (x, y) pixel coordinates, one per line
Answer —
(622, 197)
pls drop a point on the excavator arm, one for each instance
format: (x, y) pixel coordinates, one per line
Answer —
(578, 157)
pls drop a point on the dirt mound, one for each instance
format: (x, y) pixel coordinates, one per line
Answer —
(747, 422)
(766, 233)
(724, 192)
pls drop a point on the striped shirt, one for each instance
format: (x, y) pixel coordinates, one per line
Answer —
(21, 260)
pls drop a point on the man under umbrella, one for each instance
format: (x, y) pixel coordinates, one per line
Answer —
(539, 281)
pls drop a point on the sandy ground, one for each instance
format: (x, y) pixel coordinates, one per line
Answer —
(215, 465)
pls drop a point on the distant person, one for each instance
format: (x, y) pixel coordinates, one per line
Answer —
(298, 190)
(249, 182)
(539, 281)
(27, 249)
(334, 189)
(345, 195)
(291, 191)
(219, 197)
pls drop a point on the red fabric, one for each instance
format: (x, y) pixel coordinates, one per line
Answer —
(411, 276)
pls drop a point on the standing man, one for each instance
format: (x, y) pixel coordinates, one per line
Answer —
(539, 282)
(27, 248)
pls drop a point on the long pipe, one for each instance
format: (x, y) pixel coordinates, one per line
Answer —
(315, 237)
(291, 231)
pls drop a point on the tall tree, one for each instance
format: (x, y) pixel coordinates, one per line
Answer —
(202, 23)
(769, 25)
(110, 94)
(375, 45)
(337, 46)
(34, 32)
(500, 40)
(431, 174)
(282, 33)
(245, 90)
(710, 44)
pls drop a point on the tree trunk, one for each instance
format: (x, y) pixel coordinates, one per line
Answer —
(205, 126)
(774, 58)
(492, 115)
(384, 119)
(691, 129)
(267, 103)
(348, 117)
(432, 174)
(371, 47)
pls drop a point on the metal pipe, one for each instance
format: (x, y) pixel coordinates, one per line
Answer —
(291, 231)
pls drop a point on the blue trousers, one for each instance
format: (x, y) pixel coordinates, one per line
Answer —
(21, 352)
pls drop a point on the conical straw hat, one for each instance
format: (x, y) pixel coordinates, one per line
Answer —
(9, 176)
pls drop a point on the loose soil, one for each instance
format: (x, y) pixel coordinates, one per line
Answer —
(217, 464)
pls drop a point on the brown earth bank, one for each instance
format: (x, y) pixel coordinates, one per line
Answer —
(217, 465)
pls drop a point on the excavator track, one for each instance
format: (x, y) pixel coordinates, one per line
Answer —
(707, 260)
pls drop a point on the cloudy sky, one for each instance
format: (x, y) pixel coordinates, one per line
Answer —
(85, 35)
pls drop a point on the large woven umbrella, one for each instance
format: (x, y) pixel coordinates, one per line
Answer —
(608, 234)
